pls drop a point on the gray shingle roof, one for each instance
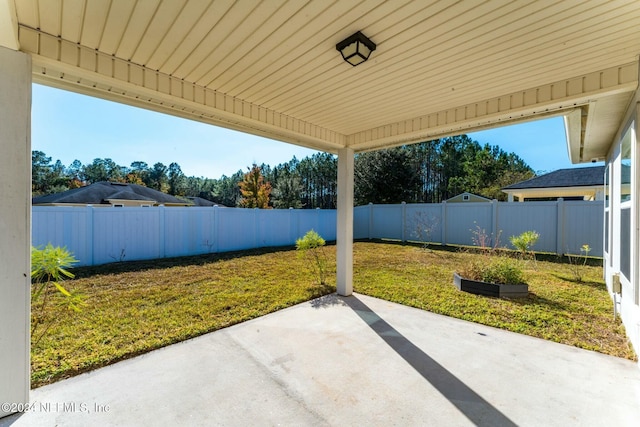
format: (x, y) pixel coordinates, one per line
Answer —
(576, 177)
(199, 201)
(98, 193)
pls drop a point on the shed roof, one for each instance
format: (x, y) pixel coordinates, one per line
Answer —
(575, 177)
(471, 196)
(97, 193)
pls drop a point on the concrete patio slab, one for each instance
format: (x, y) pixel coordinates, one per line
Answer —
(349, 361)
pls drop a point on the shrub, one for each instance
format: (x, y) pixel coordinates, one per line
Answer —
(311, 245)
(423, 226)
(578, 262)
(524, 243)
(497, 269)
(488, 243)
(49, 267)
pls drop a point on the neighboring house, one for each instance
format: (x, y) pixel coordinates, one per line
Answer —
(467, 198)
(109, 194)
(570, 184)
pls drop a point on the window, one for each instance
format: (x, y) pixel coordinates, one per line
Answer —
(624, 180)
(625, 242)
(465, 197)
(606, 186)
(607, 210)
(625, 168)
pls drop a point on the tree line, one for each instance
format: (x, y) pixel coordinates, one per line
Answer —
(427, 172)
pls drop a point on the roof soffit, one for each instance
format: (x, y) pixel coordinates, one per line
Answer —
(270, 68)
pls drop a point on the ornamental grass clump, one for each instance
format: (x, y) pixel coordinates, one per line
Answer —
(311, 245)
(497, 269)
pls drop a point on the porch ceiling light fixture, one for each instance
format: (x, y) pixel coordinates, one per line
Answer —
(356, 48)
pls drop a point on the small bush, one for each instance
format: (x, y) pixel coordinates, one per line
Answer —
(311, 245)
(524, 243)
(496, 269)
(487, 243)
(423, 226)
(578, 262)
(49, 267)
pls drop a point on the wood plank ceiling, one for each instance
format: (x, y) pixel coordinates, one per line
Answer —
(271, 67)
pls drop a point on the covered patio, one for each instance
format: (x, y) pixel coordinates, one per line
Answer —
(271, 68)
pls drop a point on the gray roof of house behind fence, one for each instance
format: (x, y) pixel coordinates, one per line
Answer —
(199, 201)
(99, 192)
(575, 177)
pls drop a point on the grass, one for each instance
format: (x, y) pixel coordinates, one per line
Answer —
(136, 307)
(558, 307)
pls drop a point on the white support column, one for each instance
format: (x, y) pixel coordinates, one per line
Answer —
(344, 237)
(15, 225)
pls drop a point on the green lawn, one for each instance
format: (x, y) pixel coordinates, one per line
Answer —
(136, 307)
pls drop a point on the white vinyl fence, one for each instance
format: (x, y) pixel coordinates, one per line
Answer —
(564, 226)
(100, 235)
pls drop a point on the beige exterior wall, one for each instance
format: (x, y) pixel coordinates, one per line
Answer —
(15, 225)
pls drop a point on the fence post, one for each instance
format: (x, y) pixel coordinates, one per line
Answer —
(216, 228)
(370, 220)
(90, 226)
(163, 229)
(443, 223)
(256, 232)
(404, 221)
(560, 226)
(494, 223)
(292, 228)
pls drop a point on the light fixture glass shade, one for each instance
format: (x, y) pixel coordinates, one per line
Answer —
(356, 48)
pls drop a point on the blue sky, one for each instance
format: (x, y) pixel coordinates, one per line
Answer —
(67, 126)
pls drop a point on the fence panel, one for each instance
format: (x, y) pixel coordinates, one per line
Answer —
(70, 227)
(103, 235)
(327, 223)
(583, 225)
(462, 220)
(387, 222)
(322, 221)
(189, 231)
(563, 226)
(124, 234)
(236, 229)
(361, 221)
(424, 222)
(274, 227)
(542, 217)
